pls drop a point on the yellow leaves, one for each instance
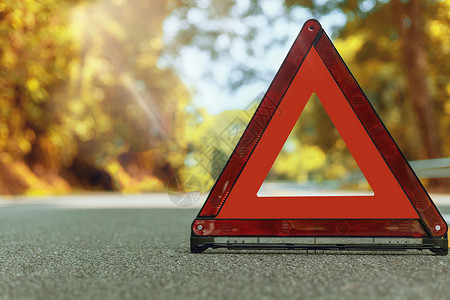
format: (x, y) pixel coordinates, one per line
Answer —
(30, 20)
(204, 179)
(147, 60)
(24, 145)
(76, 107)
(9, 58)
(299, 163)
(149, 53)
(31, 55)
(6, 158)
(335, 171)
(447, 103)
(156, 44)
(149, 184)
(113, 167)
(39, 185)
(340, 145)
(349, 46)
(37, 92)
(4, 133)
(19, 14)
(127, 184)
(74, 71)
(176, 158)
(58, 140)
(83, 128)
(438, 30)
(95, 65)
(103, 123)
(313, 157)
(33, 85)
(16, 19)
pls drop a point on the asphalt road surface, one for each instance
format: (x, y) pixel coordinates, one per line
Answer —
(48, 252)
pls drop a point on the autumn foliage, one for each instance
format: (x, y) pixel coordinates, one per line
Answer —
(87, 103)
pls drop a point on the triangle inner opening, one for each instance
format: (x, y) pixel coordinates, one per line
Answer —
(314, 160)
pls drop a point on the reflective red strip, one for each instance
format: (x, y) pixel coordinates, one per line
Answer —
(327, 227)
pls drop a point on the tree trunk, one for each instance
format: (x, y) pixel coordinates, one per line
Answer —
(411, 32)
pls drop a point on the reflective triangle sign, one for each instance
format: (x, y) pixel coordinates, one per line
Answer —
(399, 207)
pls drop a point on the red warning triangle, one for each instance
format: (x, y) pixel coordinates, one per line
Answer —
(399, 207)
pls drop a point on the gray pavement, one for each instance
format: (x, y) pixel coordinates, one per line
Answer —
(50, 252)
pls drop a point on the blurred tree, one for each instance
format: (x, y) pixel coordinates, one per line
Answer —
(131, 106)
(398, 35)
(88, 100)
(35, 52)
(85, 100)
(398, 51)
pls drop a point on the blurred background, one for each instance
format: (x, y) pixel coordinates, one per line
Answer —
(152, 96)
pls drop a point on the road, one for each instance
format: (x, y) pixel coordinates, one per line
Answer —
(53, 252)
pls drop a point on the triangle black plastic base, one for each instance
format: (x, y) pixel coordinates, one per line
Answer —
(438, 246)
